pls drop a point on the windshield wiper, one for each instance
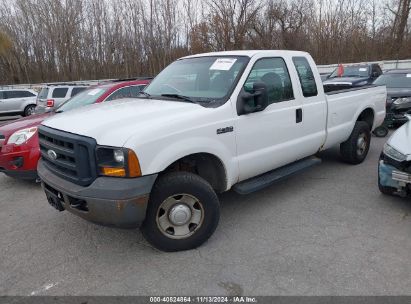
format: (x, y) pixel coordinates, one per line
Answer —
(145, 94)
(178, 96)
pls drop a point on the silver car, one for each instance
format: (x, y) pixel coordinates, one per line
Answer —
(17, 102)
(52, 96)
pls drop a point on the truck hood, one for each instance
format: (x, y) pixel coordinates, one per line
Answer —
(114, 122)
(27, 122)
(401, 140)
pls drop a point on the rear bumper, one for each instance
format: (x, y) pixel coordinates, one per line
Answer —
(120, 202)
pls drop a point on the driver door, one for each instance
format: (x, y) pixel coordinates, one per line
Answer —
(269, 139)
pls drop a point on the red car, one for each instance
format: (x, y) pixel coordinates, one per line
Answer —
(19, 145)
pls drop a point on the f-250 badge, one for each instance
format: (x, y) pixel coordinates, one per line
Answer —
(225, 130)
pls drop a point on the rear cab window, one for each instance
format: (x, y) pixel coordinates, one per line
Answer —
(59, 92)
(306, 76)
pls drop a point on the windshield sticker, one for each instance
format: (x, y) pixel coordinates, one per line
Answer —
(408, 75)
(223, 64)
(93, 92)
(363, 69)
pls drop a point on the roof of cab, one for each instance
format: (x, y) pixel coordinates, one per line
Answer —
(249, 53)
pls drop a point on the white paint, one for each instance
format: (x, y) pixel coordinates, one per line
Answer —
(162, 131)
(94, 92)
(43, 288)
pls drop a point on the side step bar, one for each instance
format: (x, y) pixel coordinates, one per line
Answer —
(267, 179)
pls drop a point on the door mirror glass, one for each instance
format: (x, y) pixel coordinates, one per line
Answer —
(253, 102)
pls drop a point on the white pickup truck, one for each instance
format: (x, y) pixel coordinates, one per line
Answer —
(206, 124)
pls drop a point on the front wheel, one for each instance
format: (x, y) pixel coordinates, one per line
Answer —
(355, 149)
(183, 212)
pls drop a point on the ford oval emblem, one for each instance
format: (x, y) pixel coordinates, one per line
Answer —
(52, 154)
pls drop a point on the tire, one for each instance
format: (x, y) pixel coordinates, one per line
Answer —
(29, 110)
(351, 151)
(174, 194)
(381, 131)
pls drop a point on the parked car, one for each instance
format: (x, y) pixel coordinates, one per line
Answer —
(52, 96)
(19, 146)
(394, 169)
(398, 83)
(209, 123)
(17, 102)
(352, 76)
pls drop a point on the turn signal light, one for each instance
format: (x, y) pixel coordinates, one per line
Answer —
(109, 171)
(134, 169)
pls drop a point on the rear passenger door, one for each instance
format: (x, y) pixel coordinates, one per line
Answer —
(13, 101)
(314, 107)
(269, 139)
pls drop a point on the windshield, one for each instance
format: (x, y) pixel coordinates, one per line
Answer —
(352, 71)
(82, 99)
(394, 80)
(200, 79)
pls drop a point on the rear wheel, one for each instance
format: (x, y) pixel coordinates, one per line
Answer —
(183, 212)
(29, 110)
(355, 149)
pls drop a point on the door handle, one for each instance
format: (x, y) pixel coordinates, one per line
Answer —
(298, 115)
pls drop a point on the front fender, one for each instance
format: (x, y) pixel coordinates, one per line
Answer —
(164, 156)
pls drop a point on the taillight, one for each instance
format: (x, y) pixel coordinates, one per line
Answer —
(50, 103)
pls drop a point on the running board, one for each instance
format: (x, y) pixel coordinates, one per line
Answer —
(267, 179)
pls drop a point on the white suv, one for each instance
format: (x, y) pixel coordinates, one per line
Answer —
(51, 96)
(17, 102)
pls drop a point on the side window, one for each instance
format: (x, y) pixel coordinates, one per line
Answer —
(59, 92)
(2, 95)
(274, 74)
(376, 70)
(77, 90)
(121, 93)
(16, 94)
(28, 94)
(306, 76)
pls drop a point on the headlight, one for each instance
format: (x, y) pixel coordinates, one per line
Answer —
(391, 152)
(21, 136)
(119, 162)
(399, 101)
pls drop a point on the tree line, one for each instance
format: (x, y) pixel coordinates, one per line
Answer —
(63, 40)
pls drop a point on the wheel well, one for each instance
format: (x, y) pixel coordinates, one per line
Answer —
(367, 116)
(204, 165)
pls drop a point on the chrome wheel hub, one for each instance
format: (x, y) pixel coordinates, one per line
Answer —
(361, 144)
(180, 216)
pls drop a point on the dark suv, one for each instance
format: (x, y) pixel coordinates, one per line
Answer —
(398, 83)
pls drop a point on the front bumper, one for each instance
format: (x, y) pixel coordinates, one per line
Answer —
(19, 161)
(111, 201)
(390, 176)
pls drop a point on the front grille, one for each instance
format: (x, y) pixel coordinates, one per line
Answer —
(68, 155)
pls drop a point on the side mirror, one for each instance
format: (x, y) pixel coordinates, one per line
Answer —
(253, 102)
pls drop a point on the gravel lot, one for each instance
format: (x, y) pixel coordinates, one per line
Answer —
(327, 231)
